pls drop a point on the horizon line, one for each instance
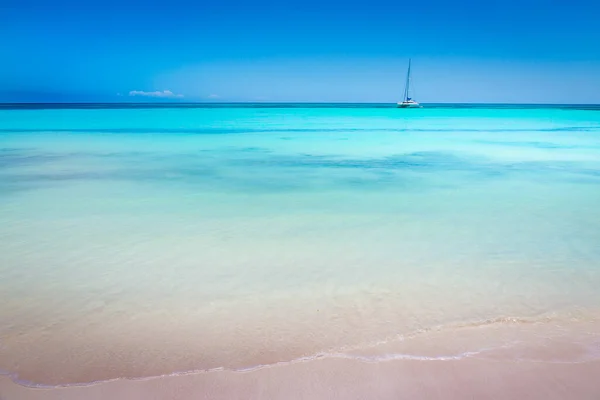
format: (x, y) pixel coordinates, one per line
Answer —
(174, 103)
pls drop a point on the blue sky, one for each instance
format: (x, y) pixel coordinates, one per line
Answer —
(462, 51)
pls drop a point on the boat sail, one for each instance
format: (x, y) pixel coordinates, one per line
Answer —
(407, 102)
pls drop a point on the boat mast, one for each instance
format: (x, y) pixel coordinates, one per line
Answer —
(406, 87)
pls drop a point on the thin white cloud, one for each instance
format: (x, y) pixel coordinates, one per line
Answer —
(166, 94)
(213, 96)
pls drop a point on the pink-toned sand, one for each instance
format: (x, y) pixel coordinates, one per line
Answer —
(505, 359)
(349, 380)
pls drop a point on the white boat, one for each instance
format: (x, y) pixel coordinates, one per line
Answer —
(407, 102)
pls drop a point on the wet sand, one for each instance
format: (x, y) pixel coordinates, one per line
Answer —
(504, 359)
(350, 379)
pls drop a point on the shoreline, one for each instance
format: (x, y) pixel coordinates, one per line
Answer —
(250, 369)
(510, 352)
(347, 379)
(450, 344)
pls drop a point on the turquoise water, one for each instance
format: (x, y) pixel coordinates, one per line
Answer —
(231, 237)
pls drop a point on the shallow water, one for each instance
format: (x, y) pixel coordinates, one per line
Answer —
(139, 242)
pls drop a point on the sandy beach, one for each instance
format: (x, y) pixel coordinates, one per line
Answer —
(499, 360)
(349, 380)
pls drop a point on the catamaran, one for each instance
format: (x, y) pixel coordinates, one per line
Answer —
(407, 102)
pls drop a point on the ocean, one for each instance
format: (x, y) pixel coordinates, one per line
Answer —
(143, 241)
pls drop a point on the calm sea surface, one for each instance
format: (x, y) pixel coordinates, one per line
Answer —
(199, 238)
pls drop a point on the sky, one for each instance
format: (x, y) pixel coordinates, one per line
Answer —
(510, 51)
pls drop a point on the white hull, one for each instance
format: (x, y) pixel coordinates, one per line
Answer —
(409, 104)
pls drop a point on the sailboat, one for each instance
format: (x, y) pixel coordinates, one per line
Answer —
(407, 102)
